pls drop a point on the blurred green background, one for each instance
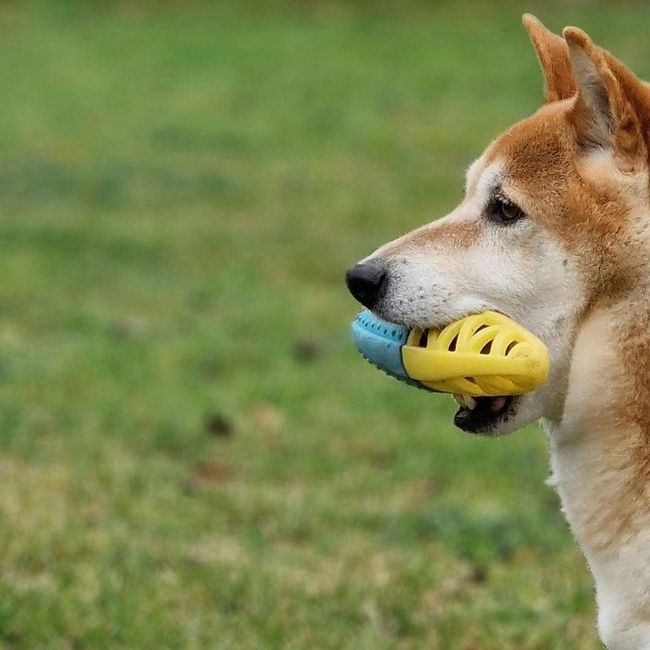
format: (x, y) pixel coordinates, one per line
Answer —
(192, 453)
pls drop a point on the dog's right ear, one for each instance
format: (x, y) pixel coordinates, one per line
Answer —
(553, 55)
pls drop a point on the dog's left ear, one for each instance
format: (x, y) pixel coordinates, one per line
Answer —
(609, 106)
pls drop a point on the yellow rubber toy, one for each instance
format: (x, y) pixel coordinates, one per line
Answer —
(485, 354)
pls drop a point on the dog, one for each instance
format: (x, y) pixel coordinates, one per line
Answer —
(554, 232)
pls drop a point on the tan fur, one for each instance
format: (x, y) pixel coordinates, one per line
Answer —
(449, 235)
(554, 60)
(601, 461)
(577, 272)
(582, 201)
(613, 483)
(597, 204)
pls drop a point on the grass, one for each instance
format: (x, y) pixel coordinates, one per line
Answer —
(193, 456)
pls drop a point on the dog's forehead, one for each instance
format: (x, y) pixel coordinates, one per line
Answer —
(537, 147)
(529, 151)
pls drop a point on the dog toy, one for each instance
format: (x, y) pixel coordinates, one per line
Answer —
(482, 355)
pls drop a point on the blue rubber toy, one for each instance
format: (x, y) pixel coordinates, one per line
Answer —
(380, 343)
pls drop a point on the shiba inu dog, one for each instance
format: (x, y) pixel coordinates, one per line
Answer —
(554, 232)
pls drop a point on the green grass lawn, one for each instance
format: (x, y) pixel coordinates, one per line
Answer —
(192, 453)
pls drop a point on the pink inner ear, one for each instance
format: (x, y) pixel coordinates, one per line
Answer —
(613, 105)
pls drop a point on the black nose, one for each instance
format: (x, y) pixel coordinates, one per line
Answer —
(365, 281)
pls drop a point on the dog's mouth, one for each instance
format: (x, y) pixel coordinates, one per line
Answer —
(483, 414)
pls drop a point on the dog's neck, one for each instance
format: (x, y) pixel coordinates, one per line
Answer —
(600, 459)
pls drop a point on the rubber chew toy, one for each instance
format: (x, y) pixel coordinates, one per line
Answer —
(482, 355)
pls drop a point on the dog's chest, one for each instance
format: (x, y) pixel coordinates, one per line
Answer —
(595, 456)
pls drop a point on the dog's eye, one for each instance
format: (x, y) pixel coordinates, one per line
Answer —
(503, 211)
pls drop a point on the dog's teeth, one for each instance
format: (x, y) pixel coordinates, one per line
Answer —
(465, 400)
(497, 404)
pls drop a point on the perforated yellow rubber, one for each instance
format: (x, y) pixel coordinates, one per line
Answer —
(485, 354)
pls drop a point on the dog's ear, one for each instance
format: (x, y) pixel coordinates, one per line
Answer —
(610, 103)
(553, 56)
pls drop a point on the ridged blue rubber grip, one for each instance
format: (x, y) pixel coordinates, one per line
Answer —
(380, 342)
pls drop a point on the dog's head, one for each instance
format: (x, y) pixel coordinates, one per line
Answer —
(553, 221)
